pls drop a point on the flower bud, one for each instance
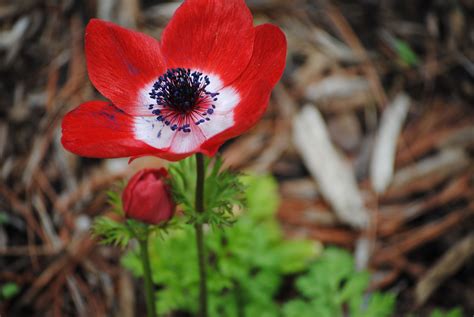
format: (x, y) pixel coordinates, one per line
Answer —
(147, 197)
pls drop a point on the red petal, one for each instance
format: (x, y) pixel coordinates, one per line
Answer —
(268, 58)
(121, 62)
(147, 197)
(101, 130)
(213, 36)
(255, 84)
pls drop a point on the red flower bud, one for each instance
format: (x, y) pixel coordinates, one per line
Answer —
(147, 197)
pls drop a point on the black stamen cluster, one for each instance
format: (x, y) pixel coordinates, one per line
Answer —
(182, 99)
(180, 89)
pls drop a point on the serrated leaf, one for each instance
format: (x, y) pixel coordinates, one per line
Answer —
(296, 254)
(223, 191)
(380, 305)
(114, 198)
(355, 285)
(111, 232)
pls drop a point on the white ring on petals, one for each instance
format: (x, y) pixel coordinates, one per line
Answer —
(160, 136)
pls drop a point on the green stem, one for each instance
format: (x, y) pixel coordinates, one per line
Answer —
(199, 204)
(149, 295)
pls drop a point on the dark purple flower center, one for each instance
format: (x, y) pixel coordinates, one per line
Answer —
(182, 99)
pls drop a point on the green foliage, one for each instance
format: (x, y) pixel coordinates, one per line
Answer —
(9, 290)
(261, 197)
(115, 199)
(183, 182)
(223, 191)
(4, 218)
(455, 312)
(331, 284)
(119, 234)
(406, 54)
(248, 261)
(111, 232)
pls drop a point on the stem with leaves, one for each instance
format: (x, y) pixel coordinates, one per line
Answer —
(149, 294)
(199, 205)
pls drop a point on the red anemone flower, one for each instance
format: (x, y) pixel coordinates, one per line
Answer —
(209, 79)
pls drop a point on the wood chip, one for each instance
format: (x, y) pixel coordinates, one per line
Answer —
(345, 131)
(12, 40)
(383, 155)
(331, 171)
(162, 11)
(336, 87)
(429, 172)
(334, 48)
(302, 188)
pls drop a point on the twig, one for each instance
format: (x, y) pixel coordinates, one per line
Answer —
(449, 263)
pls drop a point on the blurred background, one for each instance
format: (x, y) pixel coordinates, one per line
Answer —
(369, 136)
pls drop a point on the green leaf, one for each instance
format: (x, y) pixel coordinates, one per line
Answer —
(4, 218)
(111, 232)
(332, 283)
(262, 196)
(295, 255)
(262, 309)
(261, 284)
(9, 290)
(114, 198)
(183, 183)
(131, 260)
(355, 285)
(327, 274)
(455, 312)
(223, 191)
(380, 305)
(406, 54)
(298, 308)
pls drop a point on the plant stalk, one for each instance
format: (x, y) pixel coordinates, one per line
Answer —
(199, 204)
(149, 294)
